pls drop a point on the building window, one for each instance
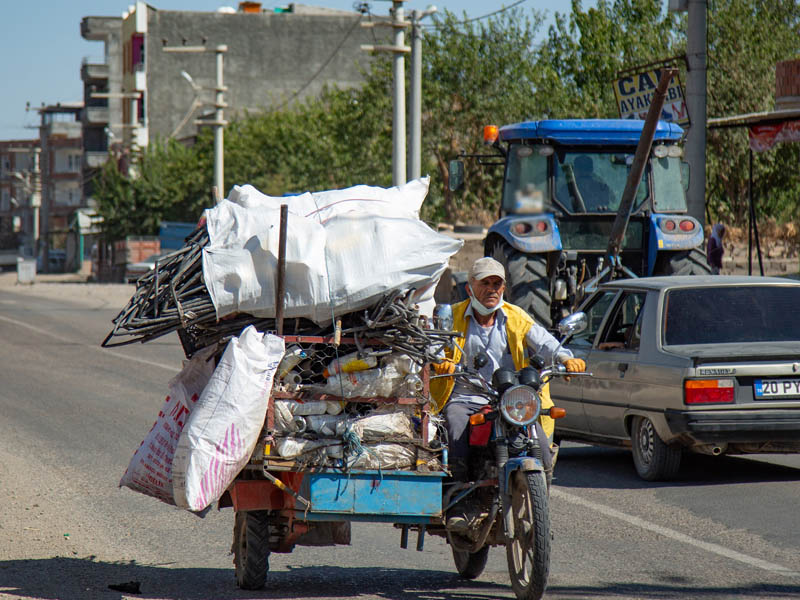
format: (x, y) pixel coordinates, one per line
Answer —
(137, 52)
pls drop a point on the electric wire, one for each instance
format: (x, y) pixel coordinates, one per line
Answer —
(347, 35)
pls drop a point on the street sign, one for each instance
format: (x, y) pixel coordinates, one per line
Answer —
(634, 91)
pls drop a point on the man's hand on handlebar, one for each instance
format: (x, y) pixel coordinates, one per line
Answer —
(446, 367)
(574, 365)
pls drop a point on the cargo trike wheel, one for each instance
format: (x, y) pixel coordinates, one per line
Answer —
(470, 564)
(528, 545)
(251, 548)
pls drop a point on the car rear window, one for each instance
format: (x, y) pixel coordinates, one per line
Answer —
(722, 315)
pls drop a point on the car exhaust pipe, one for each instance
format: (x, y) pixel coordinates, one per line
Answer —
(711, 449)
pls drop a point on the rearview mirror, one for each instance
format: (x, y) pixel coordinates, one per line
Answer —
(455, 179)
(443, 317)
(575, 323)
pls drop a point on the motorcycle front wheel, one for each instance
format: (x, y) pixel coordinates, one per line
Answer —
(528, 545)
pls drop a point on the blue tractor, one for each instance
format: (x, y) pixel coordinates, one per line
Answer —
(562, 186)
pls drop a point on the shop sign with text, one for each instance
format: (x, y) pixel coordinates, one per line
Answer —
(635, 91)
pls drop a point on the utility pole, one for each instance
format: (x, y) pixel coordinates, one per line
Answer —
(132, 98)
(399, 49)
(415, 164)
(36, 198)
(399, 104)
(219, 125)
(219, 122)
(32, 182)
(696, 104)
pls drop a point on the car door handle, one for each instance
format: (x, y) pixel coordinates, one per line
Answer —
(622, 367)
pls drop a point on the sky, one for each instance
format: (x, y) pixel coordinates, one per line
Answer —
(42, 47)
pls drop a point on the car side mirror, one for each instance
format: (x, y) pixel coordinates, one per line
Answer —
(574, 323)
(455, 179)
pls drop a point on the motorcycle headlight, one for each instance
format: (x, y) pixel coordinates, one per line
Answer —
(520, 405)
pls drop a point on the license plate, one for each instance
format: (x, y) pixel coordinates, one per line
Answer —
(777, 388)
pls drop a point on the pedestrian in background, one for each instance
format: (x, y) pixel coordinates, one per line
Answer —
(714, 250)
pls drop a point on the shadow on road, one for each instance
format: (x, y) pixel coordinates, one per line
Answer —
(666, 591)
(61, 578)
(612, 468)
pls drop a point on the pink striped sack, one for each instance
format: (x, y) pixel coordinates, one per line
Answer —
(223, 428)
(150, 469)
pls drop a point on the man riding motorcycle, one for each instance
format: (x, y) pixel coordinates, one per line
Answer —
(506, 334)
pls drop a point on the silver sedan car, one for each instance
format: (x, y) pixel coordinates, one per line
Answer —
(706, 364)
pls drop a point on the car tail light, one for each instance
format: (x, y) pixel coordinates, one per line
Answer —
(667, 225)
(708, 391)
(687, 225)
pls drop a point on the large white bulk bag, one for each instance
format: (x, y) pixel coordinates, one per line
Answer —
(223, 429)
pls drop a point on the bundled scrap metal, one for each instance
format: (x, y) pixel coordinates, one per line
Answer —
(173, 297)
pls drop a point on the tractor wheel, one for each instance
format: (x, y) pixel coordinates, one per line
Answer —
(527, 282)
(686, 262)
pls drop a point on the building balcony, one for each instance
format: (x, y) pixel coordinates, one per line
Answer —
(90, 70)
(99, 28)
(95, 115)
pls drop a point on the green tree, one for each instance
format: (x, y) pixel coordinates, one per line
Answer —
(167, 182)
(746, 38)
(585, 51)
(474, 74)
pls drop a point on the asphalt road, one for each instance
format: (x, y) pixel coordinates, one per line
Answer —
(74, 413)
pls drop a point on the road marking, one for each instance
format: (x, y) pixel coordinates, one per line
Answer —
(672, 534)
(54, 336)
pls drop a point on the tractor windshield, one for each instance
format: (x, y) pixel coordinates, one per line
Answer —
(593, 182)
(525, 185)
(668, 184)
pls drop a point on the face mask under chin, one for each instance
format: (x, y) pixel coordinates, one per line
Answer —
(480, 308)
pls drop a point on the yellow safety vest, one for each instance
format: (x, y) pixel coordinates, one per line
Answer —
(518, 323)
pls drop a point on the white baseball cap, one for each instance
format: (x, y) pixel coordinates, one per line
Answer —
(486, 267)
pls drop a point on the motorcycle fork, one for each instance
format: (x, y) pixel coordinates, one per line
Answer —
(501, 454)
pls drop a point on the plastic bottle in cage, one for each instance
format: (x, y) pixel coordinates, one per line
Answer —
(291, 358)
(366, 384)
(350, 363)
(402, 362)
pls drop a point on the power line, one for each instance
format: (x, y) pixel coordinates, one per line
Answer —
(486, 16)
(318, 71)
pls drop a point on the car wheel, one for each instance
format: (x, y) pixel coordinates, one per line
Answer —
(654, 460)
(527, 282)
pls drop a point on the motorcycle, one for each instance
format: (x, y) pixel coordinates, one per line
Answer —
(510, 470)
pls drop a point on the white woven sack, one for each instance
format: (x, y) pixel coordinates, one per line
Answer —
(222, 430)
(150, 469)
